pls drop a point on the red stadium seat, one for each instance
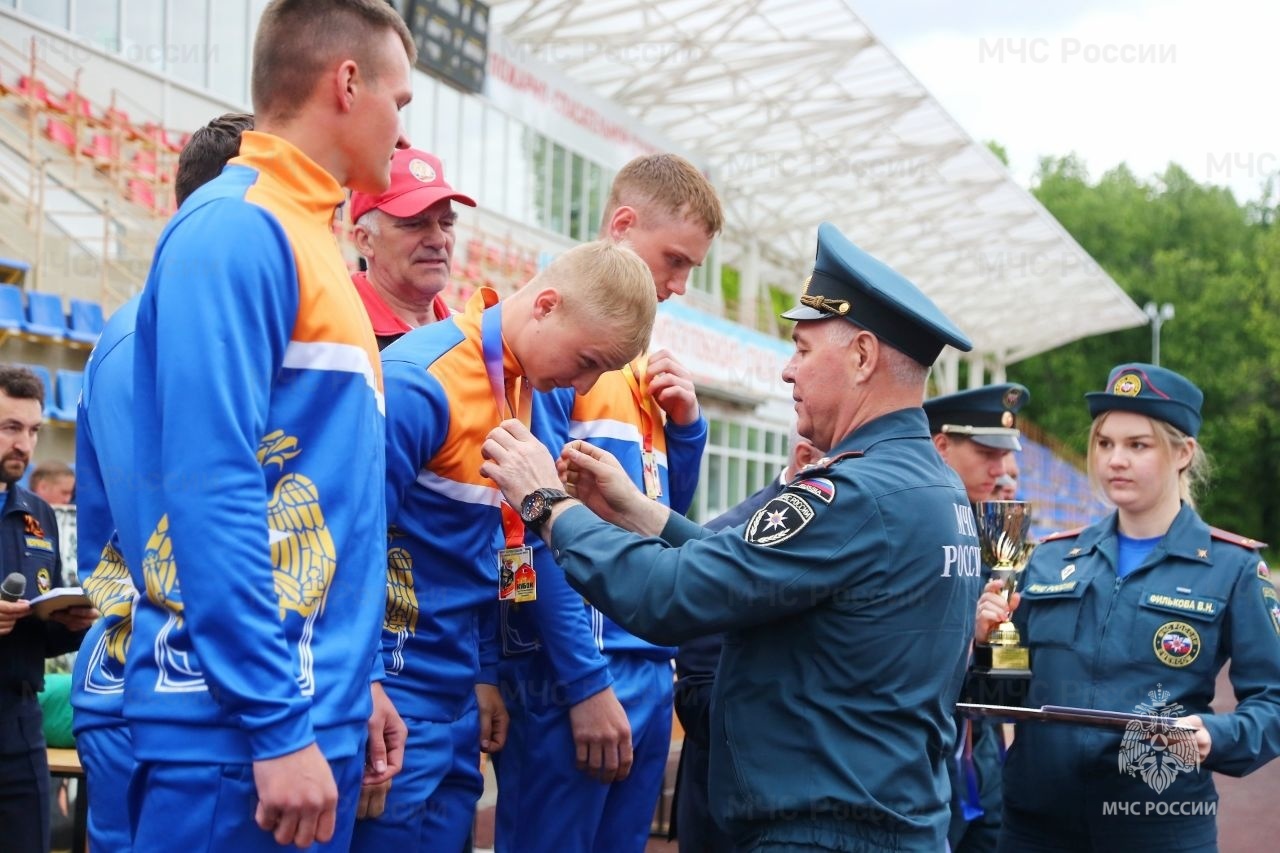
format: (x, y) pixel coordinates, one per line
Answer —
(140, 192)
(60, 132)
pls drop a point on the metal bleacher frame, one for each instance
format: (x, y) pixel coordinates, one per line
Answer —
(98, 184)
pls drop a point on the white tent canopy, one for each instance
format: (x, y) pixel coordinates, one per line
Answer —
(802, 115)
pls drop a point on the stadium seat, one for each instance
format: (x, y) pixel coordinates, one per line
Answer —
(85, 321)
(36, 90)
(10, 307)
(43, 373)
(60, 132)
(44, 316)
(103, 149)
(13, 271)
(144, 163)
(140, 192)
(75, 103)
(67, 395)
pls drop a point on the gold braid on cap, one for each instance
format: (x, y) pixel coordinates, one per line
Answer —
(828, 306)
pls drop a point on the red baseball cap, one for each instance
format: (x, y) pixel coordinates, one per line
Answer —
(417, 182)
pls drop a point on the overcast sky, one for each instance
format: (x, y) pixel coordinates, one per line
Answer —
(1138, 81)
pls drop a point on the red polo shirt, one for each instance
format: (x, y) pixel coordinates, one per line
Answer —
(387, 324)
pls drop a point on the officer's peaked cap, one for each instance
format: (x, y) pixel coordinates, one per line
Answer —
(988, 415)
(847, 282)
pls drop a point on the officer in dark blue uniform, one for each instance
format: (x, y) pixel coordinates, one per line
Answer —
(842, 598)
(976, 432)
(29, 547)
(696, 663)
(1139, 613)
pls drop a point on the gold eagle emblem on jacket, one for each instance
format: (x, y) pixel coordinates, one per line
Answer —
(160, 569)
(304, 558)
(402, 601)
(110, 589)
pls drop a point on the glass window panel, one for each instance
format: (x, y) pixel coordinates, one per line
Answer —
(448, 120)
(578, 199)
(51, 11)
(540, 157)
(493, 177)
(755, 478)
(521, 172)
(736, 490)
(99, 22)
(144, 33)
(465, 176)
(753, 439)
(596, 190)
(187, 51)
(714, 481)
(559, 221)
(229, 53)
(716, 432)
(735, 436)
(419, 116)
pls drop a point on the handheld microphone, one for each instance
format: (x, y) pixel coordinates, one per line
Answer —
(13, 588)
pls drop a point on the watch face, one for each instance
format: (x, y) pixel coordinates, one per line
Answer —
(533, 506)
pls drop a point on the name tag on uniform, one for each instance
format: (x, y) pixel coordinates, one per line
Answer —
(1185, 603)
(517, 580)
(1050, 588)
(39, 543)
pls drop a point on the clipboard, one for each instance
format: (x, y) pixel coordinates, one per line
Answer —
(1065, 714)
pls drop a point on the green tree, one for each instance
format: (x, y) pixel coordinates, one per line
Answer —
(1171, 239)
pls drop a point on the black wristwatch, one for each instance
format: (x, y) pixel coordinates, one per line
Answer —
(535, 509)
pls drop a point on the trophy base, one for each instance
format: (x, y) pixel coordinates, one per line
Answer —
(1009, 687)
(1000, 675)
(1002, 658)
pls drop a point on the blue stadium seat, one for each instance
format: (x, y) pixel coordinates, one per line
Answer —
(43, 372)
(13, 271)
(85, 321)
(10, 307)
(67, 395)
(44, 316)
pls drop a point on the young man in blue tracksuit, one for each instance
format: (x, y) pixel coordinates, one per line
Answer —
(590, 702)
(258, 438)
(104, 505)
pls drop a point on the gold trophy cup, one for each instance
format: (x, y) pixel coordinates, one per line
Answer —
(1002, 665)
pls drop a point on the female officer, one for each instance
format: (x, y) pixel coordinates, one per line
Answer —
(1138, 613)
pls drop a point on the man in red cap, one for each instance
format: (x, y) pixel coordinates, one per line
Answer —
(406, 236)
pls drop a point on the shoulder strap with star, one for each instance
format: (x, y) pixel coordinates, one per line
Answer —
(825, 464)
(1236, 539)
(1063, 534)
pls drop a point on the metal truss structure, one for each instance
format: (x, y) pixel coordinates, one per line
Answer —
(802, 115)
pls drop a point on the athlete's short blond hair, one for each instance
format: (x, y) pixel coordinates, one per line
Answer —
(608, 286)
(666, 185)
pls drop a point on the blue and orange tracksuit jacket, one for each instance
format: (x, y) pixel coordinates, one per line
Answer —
(440, 632)
(259, 540)
(104, 500)
(574, 636)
